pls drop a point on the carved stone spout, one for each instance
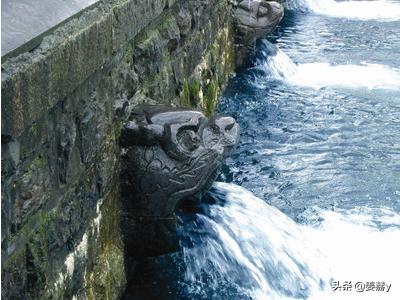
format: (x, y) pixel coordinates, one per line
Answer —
(253, 19)
(171, 155)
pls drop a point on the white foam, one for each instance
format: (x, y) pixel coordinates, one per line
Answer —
(360, 245)
(249, 241)
(264, 252)
(370, 76)
(320, 74)
(380, 10)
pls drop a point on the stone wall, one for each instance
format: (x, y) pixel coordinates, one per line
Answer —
(62, 108)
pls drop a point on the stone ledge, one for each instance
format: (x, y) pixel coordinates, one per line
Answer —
(33, 82)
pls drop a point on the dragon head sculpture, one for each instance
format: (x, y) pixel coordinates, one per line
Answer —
(171, 155)
(253, 19)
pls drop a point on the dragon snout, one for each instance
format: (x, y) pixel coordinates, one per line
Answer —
(229, 128)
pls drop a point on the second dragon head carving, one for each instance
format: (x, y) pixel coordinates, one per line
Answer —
(171, 155)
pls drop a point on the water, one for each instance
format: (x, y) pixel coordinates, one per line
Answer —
(322, 74)
(321, 120)
(242, 248)
(381, 10)
(312, 194)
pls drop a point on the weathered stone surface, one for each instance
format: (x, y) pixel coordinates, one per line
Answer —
(166, 59)
(253, 19)
(68, 57)
(55, 197)
(173, 156)
(63, 106)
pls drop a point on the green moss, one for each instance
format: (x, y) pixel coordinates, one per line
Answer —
(36, 163)
(145, 40)
(33, 254)
(37, 253)
(38, 243)
(211, 97)
(214, 57)
(211, 74)
(34, 129)
(152, 33)
(117, 131)
(190, 94)
(184, 99)
(106, 280)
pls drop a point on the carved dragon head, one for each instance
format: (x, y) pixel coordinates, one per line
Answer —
(170, 155)
(256, 18)
(253, 19)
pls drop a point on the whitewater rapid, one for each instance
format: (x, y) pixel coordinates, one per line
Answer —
(249, 246)
(380, 10)
(323, 74)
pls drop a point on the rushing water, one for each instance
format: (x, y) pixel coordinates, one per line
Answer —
(320, 153)
(242, 248)
(380, 10)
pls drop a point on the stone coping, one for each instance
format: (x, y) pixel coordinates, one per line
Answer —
(25, 22)
(35, 81)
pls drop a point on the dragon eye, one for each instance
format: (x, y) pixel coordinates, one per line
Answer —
(188, 139)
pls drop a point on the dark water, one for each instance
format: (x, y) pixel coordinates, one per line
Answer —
(320, 141)
(335, 145)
